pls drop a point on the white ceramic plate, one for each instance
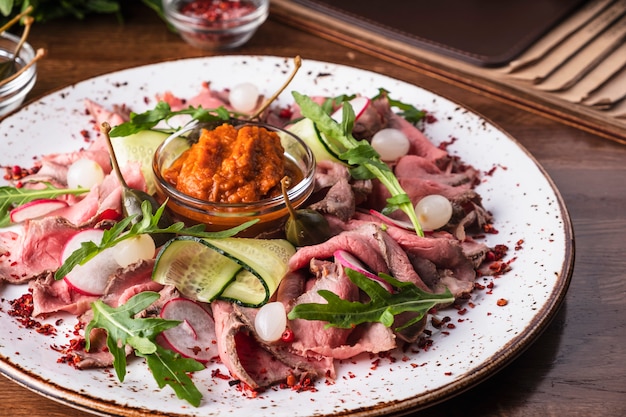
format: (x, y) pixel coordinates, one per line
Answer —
(529, 215)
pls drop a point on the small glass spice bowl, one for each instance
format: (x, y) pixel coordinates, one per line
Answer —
(216, 24)
(271, 212)
(13, 93)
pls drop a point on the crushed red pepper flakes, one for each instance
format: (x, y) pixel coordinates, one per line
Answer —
(502, 302)
(217, 373)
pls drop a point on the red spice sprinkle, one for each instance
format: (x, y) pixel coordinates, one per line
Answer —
(288, 336)
(430, 118)
(285, 113)
(47, 330)
(502, 302)
(217, 11)
(216, 373)
(291, 380)
(489, 228)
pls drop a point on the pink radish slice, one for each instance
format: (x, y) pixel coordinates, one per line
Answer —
(92, 277)
(359, 104)
(35, 209)
(347, 260)
(195, 336)
(392, 222)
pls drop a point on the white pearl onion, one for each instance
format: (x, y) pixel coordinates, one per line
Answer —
(244, 97)
(271, 321)
(433, 211)
(390, 144)
(84, 173)
(134, 249)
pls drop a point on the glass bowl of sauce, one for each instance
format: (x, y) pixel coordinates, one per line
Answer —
(226, 173)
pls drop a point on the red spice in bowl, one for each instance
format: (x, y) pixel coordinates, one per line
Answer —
(216, 24)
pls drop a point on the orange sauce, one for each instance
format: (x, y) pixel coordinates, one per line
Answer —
(229, 165)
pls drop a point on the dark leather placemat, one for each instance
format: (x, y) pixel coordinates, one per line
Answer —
(482, 32)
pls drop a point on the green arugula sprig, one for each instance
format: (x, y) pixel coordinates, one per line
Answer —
(11, 197)
(167, 367)
(364, 161)
(382, 307)
(147, 224)
(163, 112)
(408, 111)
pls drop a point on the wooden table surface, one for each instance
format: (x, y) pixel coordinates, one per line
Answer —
(577, 367)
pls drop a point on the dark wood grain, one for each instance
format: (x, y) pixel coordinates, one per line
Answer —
(577, 367)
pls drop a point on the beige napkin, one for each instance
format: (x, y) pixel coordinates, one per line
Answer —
(548, 42)
(588, 58)
(610, 93)
(570, 46)
(599, 75)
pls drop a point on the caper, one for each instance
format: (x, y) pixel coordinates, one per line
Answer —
(304, 227)
(132, 199)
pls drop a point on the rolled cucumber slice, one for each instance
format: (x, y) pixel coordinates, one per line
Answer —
(243, 270)
(194, 268)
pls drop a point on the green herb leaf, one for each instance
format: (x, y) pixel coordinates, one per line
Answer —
(409, 112)
(11, 197)
(382, 307)
(359, 155)
(123, 329)
(147, 224)
(170, 368)
(163, 112)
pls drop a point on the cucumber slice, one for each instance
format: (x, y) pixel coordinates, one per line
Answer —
(243, 270)
(305, 129)
(263, 259)
(194, 268)
(139, 147)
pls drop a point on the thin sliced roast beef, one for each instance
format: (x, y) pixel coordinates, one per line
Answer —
(313, 339)
(336, 193)
(254, 363)
(36, 250)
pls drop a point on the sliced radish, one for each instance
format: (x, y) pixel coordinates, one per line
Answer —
(347, 260)
(195, 336)
(359, 104)
(92, 277)
(393, 222)
(35, 209)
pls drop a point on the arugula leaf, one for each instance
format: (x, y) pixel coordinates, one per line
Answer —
(170, 368)
(163, 112)
(382, 307)
(11, 197)
(364, 161)
(147, 224)
(409, 112)
(124, 329)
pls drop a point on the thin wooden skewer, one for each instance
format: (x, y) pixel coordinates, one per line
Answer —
(16, 18)
(38, 55)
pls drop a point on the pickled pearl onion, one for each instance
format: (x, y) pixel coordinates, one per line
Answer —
(244, 97)
(134, 249)
(390, 144)
(271, 321)
(433, 211)
(84, 173)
